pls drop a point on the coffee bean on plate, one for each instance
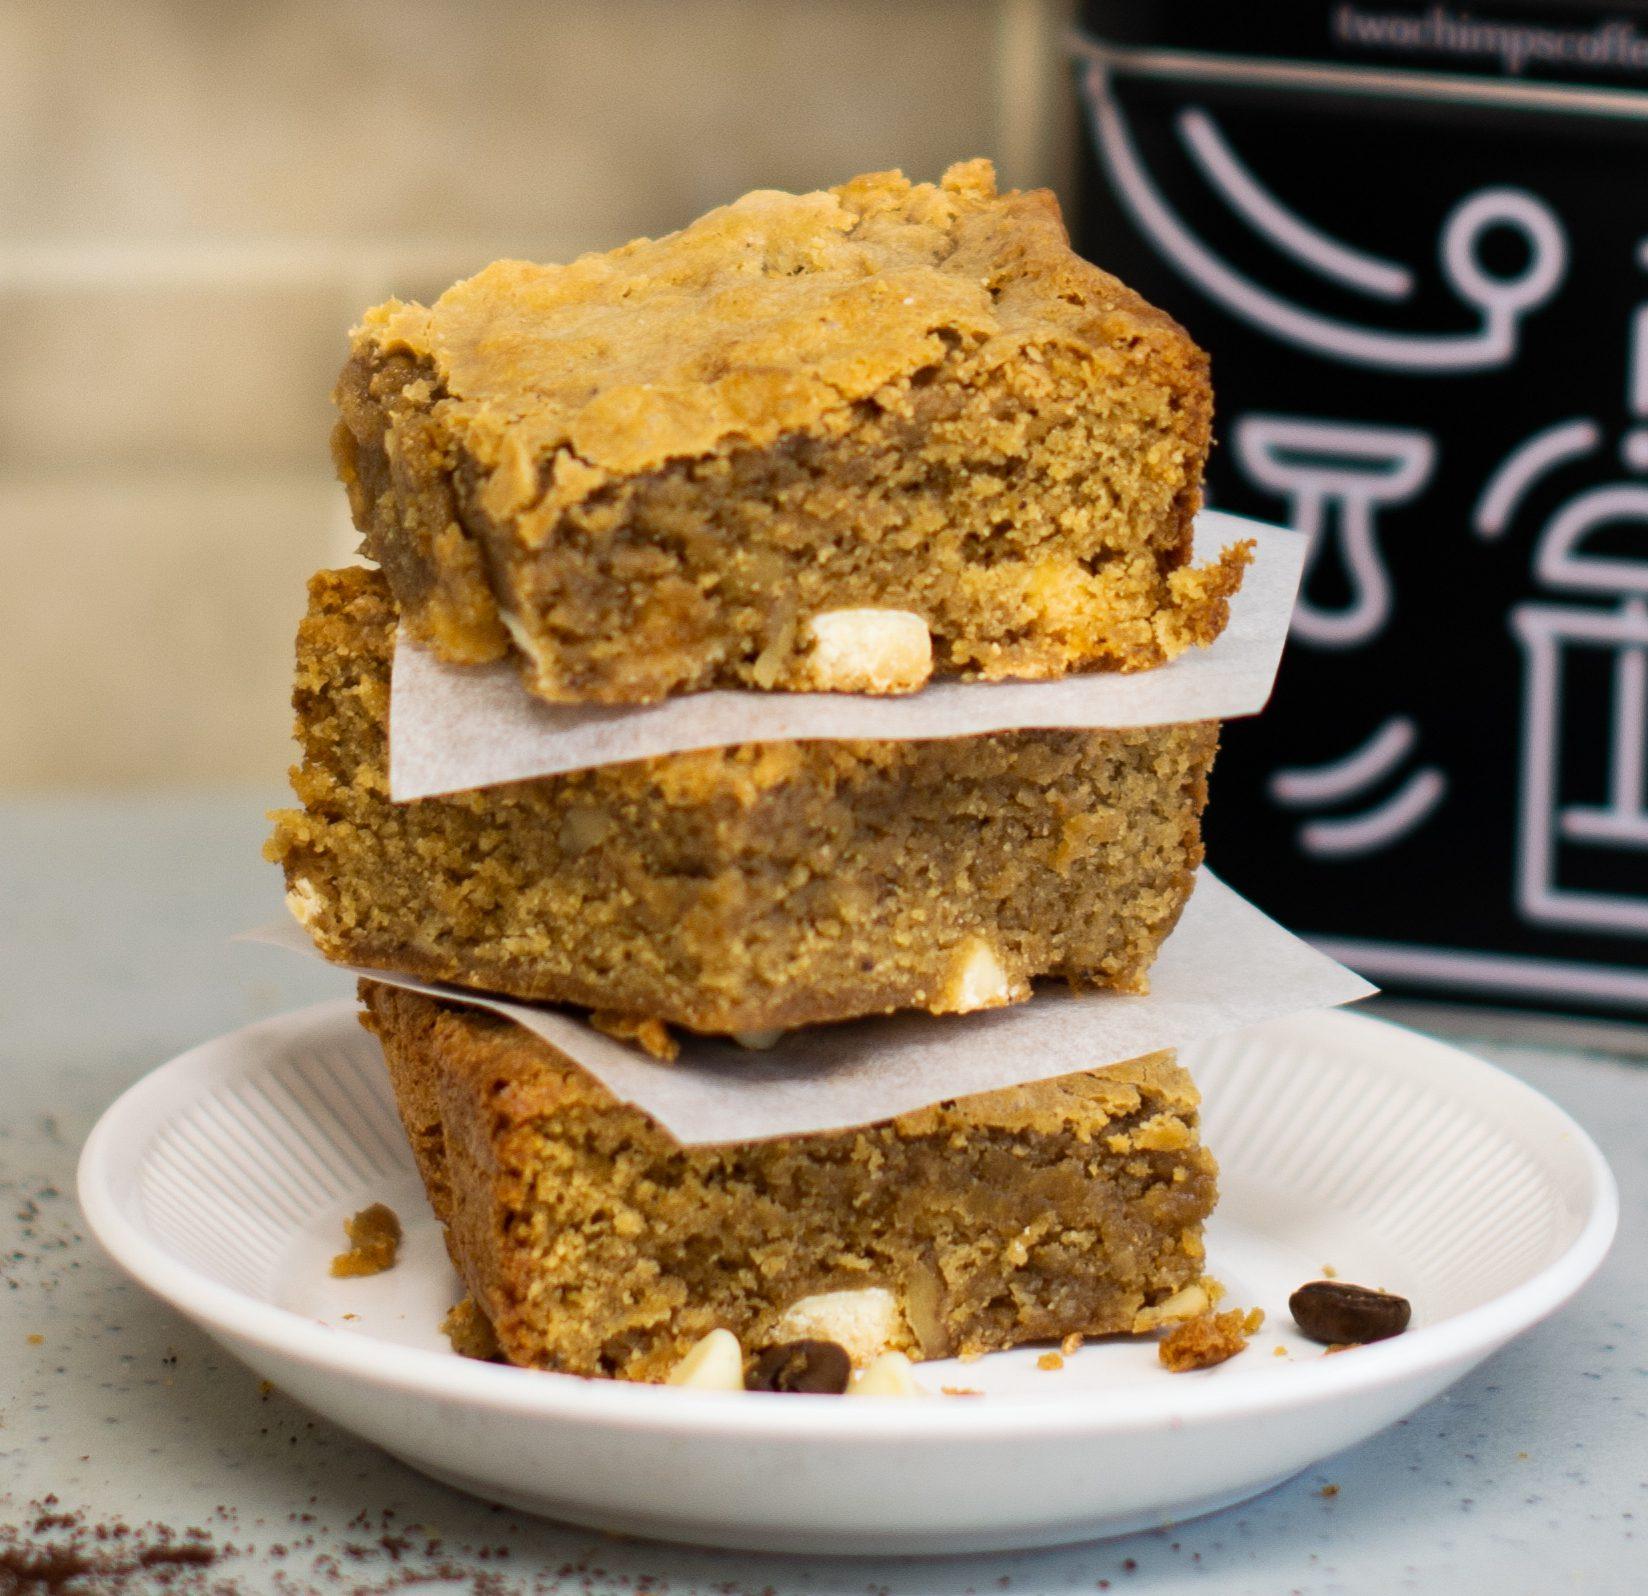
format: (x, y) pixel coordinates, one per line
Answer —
(810, 1366)
(1337, 1313)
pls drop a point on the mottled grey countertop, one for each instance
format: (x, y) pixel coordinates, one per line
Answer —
(1530, 1476)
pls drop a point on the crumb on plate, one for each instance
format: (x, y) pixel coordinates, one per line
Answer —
(1208, 1339)
(470, 1332)
(374, 1242)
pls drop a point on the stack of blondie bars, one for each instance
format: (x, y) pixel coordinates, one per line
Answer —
(849, 441)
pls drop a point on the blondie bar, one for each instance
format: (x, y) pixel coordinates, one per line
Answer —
(839, 440)
(595, 1245)
(737, 889)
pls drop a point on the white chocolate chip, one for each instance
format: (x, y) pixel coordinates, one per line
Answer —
(863, 1322)
(758, 1041)
(714, 1364)
(525, 642)
(547, 676)
(924, 1298)
(1189, 1302)
(582, 828)
(978, 981)
(868, 651)
(304, 901)
(891, 1375)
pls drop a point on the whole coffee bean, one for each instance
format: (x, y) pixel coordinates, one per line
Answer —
(817, 1366)
(1338, 1313)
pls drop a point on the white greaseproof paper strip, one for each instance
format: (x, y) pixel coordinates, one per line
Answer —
(457, 727)
(1225, 966)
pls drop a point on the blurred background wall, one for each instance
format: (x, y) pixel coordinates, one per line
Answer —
(196, 200)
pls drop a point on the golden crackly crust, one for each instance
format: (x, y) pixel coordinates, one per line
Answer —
(658, 470)
(759, 318)
(486, 1105)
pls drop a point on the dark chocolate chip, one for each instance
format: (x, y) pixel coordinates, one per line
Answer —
(819, 1366)
(1337, 1313)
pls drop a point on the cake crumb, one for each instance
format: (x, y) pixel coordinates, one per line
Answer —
(374, 1242)
(37, 1340)
(961, 1390)
(1050, 1360)
(1072, 1343)
(470, 1332)
(1328, 1491)
(1339, 1346)
(1329, 1272)
(1279, 1351)
(1212, 1338)
(648, 1032)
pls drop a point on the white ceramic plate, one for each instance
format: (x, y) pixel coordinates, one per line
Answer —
(221, 1180)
